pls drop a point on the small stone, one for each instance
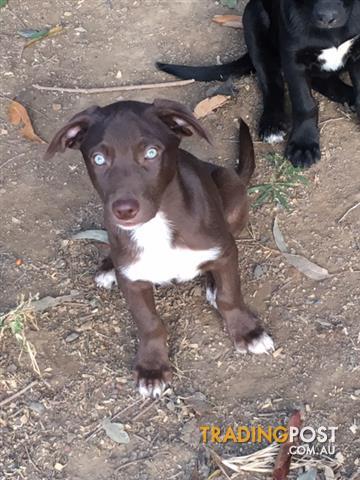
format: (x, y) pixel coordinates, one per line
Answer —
(56, 107)
(190, 433)
(259, 271)
(118, 74)
(59, 467)
(67, 14)
(71, 337)
(37, 407)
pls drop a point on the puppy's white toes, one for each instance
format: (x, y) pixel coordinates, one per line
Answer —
(275, 137)
(158, 389)
(106, 279)
(211, 296)
(152, 389)
(262, 344)
(143, 389)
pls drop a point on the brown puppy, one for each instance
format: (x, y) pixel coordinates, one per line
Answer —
(170, 217)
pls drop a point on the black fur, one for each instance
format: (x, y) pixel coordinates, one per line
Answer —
(284, 40)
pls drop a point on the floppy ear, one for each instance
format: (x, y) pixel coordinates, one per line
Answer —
(72, 134)
(179, 118)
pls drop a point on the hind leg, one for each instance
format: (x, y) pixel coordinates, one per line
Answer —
(260, 42)
(105, 277)
(223, 292)
(334, 89)
(233, 192)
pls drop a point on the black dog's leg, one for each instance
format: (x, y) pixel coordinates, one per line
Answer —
(334, 89)
(354, 70)
(303, 147)
(258, 36)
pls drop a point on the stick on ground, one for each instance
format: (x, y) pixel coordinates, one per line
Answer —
(120, 88)
(18, 394)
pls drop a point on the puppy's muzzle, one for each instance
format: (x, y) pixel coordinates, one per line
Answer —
(125, 209)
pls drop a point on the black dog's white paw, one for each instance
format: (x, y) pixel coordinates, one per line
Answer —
(272, 128)
(106, 279)
(302, 154)
(272, 136)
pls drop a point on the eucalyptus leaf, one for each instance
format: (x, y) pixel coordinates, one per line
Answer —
(96, 235)
(278, 237)
(311, 474)
(305, 266)
(3, 3)
(33, 34)
(115, 431)
(229, 3)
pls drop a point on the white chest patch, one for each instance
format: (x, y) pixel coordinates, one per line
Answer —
(332, 59)
(158, 260)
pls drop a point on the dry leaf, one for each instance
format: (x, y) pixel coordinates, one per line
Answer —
(234, 21)
(50, 33)
(208, 105)
(115, 431)
(311, 474)
(17, 114)
(97, 235)
(283, 460)
(305, 266)
(278, 237)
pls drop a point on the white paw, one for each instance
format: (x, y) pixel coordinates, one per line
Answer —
(275, 137)
(211, 296)
(152, 389)
(106, 279)
(262, 344)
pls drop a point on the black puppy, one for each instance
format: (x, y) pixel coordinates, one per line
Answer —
(307, 42)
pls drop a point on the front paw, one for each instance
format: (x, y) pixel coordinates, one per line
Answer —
(256, 341)
(302, 153)
(152, 382)
(106, 279)
(272, 129)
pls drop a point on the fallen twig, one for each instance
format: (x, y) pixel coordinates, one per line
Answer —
(348, 211)
(18, 394)
(132, 462)
(142, 412)
(120, 88)
(116, 415)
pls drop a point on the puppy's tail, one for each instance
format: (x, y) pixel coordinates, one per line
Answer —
(246, 163)
(239, 67)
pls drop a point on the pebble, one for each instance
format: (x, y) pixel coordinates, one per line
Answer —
(37, 407)
(71, 337)
(259, 271)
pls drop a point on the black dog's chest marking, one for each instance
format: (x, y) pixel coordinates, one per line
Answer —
(330, 59)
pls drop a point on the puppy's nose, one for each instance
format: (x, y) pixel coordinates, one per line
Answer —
(125, 209)
(326, 17)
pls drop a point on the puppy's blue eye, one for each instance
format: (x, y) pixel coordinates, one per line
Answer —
(99, 159)
(151, 153)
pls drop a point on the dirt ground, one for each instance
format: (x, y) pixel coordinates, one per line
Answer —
(85, 348)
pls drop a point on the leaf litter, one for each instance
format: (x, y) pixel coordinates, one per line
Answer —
(35, 36)
(234, 21)
(208, 105)
(17, 114)
(115, 431)
(305, 266)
